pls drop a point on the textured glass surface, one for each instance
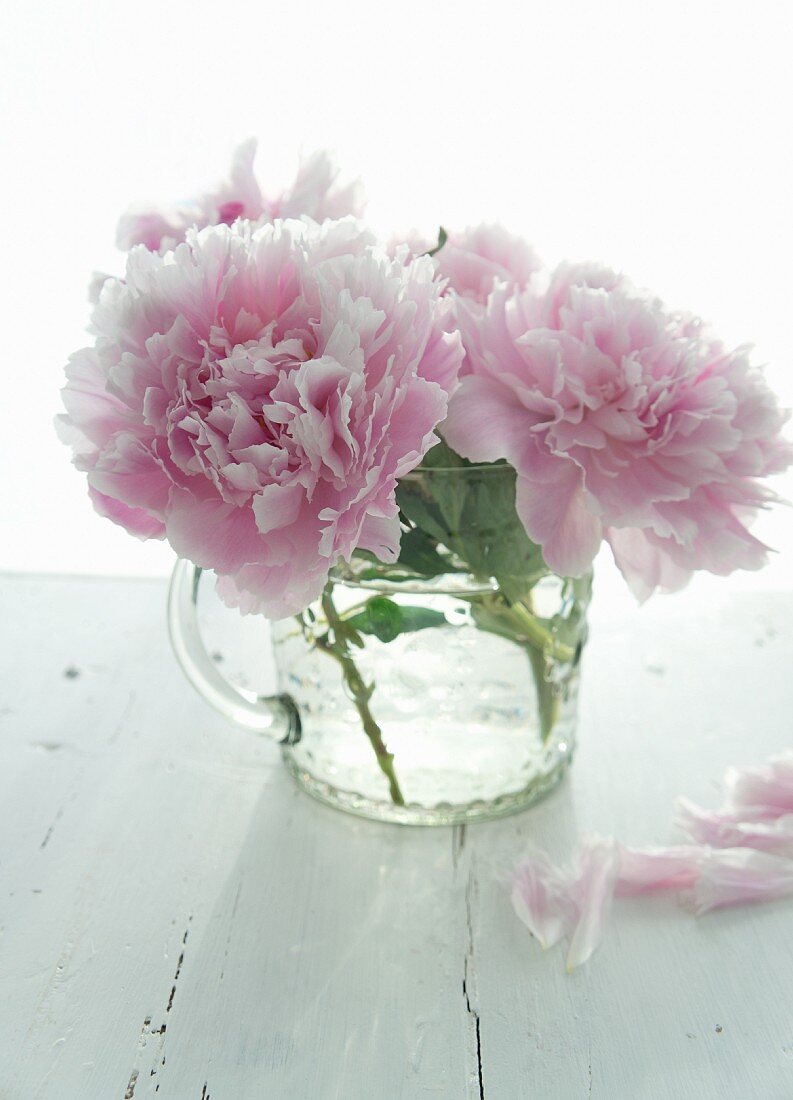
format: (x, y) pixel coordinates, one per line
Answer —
(458, 706)
(439, 688)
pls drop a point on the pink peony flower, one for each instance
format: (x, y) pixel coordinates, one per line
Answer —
(313, 194)
(253, 397)
(623, 422)
(473, 259)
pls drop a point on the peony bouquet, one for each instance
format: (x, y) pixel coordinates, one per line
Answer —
(282, 396)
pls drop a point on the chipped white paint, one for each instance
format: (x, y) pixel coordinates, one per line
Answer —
(178, 921)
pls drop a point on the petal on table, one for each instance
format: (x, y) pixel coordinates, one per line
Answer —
(646, 870)
(769, 786)
(735, 876)
(722, 829)
(593, 893)
(541, 898)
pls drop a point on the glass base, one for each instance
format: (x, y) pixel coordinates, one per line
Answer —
(414, 814)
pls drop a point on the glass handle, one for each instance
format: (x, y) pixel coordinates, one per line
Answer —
(275, 716)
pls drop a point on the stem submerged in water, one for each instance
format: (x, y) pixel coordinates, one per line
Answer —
(516, 621)
(361, 693)
(547, 698)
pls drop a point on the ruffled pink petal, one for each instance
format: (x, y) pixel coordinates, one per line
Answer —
(135, 520)
(315, 192)
(485, 421)
(151, 227)
(381, 535)
(277, 506)
(556, 516)
(241, 197)
(275, 591)
(258, 393)
(96, 282)
(212, 533)
(472, 260)
(667, 430)
(644, 566)
(129, 471)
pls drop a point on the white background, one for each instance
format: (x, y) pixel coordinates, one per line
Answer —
(652, 136)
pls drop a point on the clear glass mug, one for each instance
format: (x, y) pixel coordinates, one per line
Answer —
(438, 690)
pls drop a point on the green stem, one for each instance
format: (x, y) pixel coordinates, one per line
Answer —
(360, 691)
(517, 622)
(542, 646)
(537, 635)
(547, 698)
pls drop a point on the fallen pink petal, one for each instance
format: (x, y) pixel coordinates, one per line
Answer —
(769, 786)
(593, 891)
(645, 870)
(738, 855)
(541, 898)
(721, 829)
(575, 901)
(736, 876)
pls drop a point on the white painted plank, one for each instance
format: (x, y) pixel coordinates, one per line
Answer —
(152, 855)
(318, 950)
(671, 1007)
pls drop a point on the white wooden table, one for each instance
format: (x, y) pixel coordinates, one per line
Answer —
(178, 920)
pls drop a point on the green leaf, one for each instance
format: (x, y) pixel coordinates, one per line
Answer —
(434, 503)
(386, 619)
(419, 559)
(419, 553)
(441, 456)
(421, 618)
(443, 236)
(494, 539)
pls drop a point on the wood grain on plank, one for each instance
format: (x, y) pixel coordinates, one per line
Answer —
(177, 920)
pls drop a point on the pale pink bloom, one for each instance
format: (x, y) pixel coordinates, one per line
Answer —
(409, 243)
(97, 281)
(313, 194)
(254, 396)
(621, 425)
(474, 259)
